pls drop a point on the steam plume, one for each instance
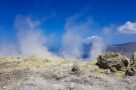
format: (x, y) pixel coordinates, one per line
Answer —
(33, 42)
(73, 37)
(97, 48)
(31, 39)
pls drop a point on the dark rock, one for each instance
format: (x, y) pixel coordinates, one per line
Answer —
(75, 69)
(129, 72)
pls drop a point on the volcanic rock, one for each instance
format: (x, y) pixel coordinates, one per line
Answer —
(131, 70)
(112, 61)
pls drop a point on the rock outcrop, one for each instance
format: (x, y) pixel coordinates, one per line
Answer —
(117, 62)
(113, 61)
(134, 56)
(131, 70)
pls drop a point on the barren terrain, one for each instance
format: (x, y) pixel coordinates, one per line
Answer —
(31, 73)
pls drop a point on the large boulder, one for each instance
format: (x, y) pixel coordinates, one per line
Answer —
(113, 61)
(131, 70)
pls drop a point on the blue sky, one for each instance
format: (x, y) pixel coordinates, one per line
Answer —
(113, 20)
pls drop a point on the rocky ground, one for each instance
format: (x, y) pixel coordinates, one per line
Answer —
(21, 73)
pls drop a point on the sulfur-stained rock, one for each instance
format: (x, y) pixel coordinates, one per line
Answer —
(134, 56)
(112, 61)
(131, 70)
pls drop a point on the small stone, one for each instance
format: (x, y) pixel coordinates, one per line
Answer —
(108, 71)
(113, 69)
(75, 68)
(72, 86)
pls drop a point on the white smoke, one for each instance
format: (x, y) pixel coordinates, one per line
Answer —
(31, 38)
(33, 42)
(73, 37)
(97, 48)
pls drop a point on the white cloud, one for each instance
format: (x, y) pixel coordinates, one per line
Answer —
(128, 28)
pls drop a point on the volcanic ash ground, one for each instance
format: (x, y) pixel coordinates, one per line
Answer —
(21, 73)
